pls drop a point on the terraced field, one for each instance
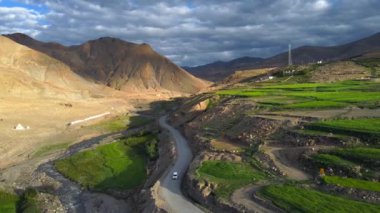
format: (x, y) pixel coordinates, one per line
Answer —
(363, 162)
(352, 183)
(297, 199)
(334, 126)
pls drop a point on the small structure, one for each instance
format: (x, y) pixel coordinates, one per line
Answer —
(290, 61)
(19, 127)
(321, 172)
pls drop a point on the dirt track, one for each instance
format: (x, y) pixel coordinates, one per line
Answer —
(244, 197)
(285, 158)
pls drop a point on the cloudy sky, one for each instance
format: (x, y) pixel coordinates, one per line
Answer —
(195, 32)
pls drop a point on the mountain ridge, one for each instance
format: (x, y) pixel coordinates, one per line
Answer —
(220, 69)
(301, 55)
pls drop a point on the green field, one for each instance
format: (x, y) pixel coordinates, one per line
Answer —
(311, 95)
(8, 202)
(228, 176)
(352, 183)
(296, 199)
(119, 165)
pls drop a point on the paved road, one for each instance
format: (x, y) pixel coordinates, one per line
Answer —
(170, 190)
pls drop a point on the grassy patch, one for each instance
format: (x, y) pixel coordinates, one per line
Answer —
(49, 149)
(8, 202)
(120, 165)
(327, 159)
(352, 183)
(228, 176)
(121, 123)
(295, 199)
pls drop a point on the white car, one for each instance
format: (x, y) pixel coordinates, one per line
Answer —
(175, 176)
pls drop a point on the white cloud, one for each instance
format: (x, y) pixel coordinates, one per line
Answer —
(321, 5)
(19, 19)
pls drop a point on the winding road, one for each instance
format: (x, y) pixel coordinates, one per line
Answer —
(170, 190)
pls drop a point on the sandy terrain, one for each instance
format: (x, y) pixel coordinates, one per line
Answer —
(47, 120)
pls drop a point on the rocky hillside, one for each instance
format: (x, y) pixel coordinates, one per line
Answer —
(119, 64)
(29, 73)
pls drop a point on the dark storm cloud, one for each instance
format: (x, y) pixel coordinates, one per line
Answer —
(196, 32)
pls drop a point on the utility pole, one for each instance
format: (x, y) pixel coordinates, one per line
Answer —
(290, 62)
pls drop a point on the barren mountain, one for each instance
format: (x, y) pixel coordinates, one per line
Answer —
(307, 54)
(119, 64)
(29, 73)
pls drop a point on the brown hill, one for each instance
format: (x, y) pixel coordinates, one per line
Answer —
(29, 73)
(119, 64)
(301, 55)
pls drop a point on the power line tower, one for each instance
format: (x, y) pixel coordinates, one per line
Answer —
(290, 62)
